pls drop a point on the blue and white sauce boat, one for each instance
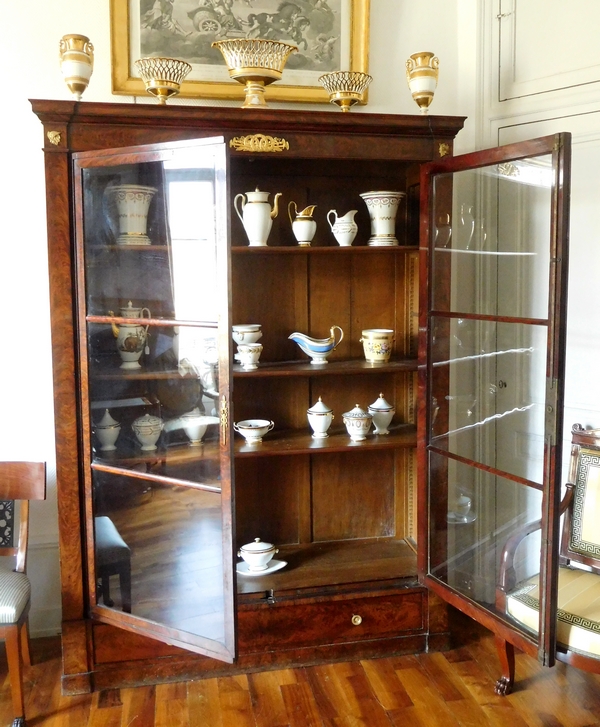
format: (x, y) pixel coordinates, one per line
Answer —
(318, 348)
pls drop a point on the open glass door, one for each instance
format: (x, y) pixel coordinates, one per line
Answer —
(153, 301)
(493, 318)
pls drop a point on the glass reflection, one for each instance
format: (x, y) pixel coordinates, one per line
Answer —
(150, 252)
(168, 543)
(491, 232)
(467, 536)
(488, 382)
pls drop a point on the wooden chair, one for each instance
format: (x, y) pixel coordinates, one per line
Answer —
(578, 627)
(113, 557)
(22, 481)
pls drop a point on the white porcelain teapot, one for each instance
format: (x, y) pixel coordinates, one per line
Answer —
(256, 215)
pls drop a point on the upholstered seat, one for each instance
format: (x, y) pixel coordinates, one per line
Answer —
(578, 596)
(113, 557)
(21, 481)
(15, 591)
(578, 609)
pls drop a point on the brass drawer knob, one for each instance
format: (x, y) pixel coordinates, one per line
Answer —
(356, 620)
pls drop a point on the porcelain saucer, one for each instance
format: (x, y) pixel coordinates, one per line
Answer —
(455, 519)
(243, 570)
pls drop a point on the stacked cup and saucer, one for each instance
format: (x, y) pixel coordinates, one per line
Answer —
(247, 335)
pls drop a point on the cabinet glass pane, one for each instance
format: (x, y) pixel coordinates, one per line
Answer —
(150, 231)
(491, 233)
(481, 512)
(488, 385)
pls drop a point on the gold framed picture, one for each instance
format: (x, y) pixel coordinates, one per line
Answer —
(331, 35)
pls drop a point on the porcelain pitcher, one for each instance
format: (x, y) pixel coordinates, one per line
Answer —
(303, 226)
(256, 215)
(344, 228)
(131, 337)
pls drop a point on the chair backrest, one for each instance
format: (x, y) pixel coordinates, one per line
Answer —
(580, 542)
(22, 481)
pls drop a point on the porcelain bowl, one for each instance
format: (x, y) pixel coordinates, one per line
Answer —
(246, 333)
(253, 430)
(257, 554)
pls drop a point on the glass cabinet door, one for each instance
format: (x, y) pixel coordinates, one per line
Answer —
(152, 265)
(494, 254)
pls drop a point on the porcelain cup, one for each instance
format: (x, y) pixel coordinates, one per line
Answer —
(377, 344)
(248, 355)
(253, 430)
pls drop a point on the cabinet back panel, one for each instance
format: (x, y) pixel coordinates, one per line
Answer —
(282, 400)
(271, 290)
(353, 495)
(268, 492)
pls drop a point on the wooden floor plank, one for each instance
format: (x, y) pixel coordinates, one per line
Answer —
(300, 704)
(450, 689)
(267, 700)
(138, 706)
(203, 703)
(235, 702)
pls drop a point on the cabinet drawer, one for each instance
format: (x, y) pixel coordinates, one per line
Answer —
(345, 619)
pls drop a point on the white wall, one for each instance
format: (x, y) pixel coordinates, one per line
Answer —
(29, 55)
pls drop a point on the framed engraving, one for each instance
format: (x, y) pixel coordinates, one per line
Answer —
(331, 35)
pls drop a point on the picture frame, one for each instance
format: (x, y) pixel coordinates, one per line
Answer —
(331, 35)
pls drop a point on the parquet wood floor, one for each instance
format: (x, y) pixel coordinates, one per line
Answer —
(451, 689)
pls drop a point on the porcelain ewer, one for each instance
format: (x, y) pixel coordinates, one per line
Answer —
(303, 225)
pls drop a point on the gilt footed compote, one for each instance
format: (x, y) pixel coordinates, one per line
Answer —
(346, 88)
(163, 76)
(256, 63)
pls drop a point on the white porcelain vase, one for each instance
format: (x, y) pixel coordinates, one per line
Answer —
(131, 203)
(383, 207)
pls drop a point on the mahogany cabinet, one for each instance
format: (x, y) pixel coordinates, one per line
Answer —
(161, 598)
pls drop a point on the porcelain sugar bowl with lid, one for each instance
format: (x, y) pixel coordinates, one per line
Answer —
(257, 554)
(107, 430)
(147, 429)
(383, 413)
(320, 417)
(358, 422)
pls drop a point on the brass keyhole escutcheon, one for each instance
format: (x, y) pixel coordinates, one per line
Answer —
(356, 620)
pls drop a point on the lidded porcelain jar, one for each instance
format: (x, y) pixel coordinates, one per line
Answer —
(257, 554)
(107, 430)
(320, 417)
(383, 413)
(194, 425)
(147, 429)
(358, 422)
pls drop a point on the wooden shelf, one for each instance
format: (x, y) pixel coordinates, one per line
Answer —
(330, 564)
(278, 443)
(332, 368)
(320, 250)
(302, 442)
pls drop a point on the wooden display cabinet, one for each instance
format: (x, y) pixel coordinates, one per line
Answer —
(343, 514)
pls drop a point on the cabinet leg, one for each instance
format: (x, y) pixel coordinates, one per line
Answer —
(506, 654)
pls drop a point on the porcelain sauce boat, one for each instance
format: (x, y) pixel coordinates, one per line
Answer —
(318, 348)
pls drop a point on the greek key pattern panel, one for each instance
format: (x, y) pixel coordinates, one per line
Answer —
(587, 460)
(568, 618)
(7, 521)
